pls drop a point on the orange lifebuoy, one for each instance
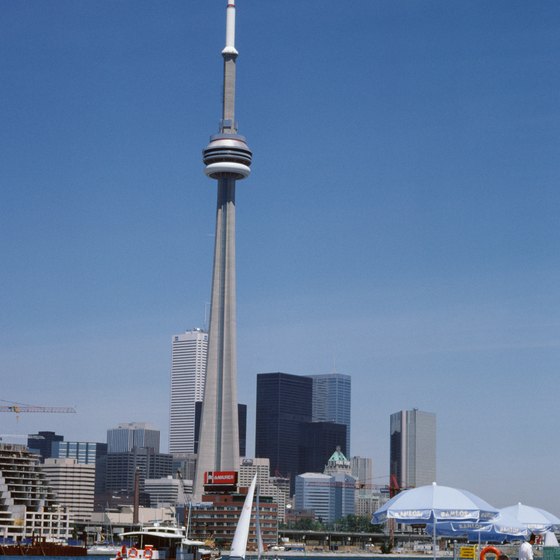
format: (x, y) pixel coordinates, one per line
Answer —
(132, 552)
(491, 549)
(148, 551)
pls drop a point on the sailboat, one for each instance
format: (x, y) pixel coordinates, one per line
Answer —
(239, 544)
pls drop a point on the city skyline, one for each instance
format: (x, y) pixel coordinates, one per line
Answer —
(399, 224)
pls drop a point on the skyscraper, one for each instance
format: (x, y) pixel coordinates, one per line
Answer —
(227, 159)
(331, 401)
(42, 442)
(413, 448)
(316, 443)
(188, 368)
(283, 406)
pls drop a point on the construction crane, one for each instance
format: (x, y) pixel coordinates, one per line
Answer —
(18, 436)
(21, 407)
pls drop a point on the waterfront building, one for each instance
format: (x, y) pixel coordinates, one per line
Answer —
(367, 500)
(332, 401)
(227, 159)
(413, 448)
(41, 443)
(121, 468)
(122, 518)
(315, 492)
(340, 469)
(277, 488)
(216, 518)
(165, 492)
(73, 484)
(329, 496)
(344, 494)
(28, 506)
(126, 436)
(284, 402)
(86, 453)
(188, 370)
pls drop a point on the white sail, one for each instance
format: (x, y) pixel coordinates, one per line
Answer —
(239, 544)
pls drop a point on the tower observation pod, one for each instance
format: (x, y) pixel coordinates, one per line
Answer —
(227, 156)
(227, 159)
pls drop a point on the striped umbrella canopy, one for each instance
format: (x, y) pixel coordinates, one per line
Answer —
(435, 503)
(537, 520)
(501, 528)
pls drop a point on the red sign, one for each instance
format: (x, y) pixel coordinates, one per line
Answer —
(218, 478)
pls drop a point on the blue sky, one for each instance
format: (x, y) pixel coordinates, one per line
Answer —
(400, 223)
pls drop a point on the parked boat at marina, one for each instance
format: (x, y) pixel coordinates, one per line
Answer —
(41, 547)
(161, 542)
(103, 549)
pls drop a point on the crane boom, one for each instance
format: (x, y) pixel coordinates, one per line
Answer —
(20, 407)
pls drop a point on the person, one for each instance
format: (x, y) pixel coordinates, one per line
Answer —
(526, 548)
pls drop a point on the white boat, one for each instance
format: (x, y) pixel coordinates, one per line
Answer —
(104, 549)
(160, 542)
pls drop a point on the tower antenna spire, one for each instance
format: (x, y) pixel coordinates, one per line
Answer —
(230, 29)
(228, 124)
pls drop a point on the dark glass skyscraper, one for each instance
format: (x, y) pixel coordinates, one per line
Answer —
(318, 440)
(41, 443)
(332, 401)
(284, 402)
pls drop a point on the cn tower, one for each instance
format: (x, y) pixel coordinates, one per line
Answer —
(227, 159)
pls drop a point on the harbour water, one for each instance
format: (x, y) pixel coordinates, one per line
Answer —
(340, 556)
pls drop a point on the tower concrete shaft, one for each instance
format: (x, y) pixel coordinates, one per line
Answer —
(227, 159)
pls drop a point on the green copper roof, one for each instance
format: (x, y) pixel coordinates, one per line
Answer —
(338, 456)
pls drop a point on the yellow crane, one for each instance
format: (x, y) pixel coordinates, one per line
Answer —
(21, 407)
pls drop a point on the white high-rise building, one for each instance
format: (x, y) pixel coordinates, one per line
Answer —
(188, 370)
